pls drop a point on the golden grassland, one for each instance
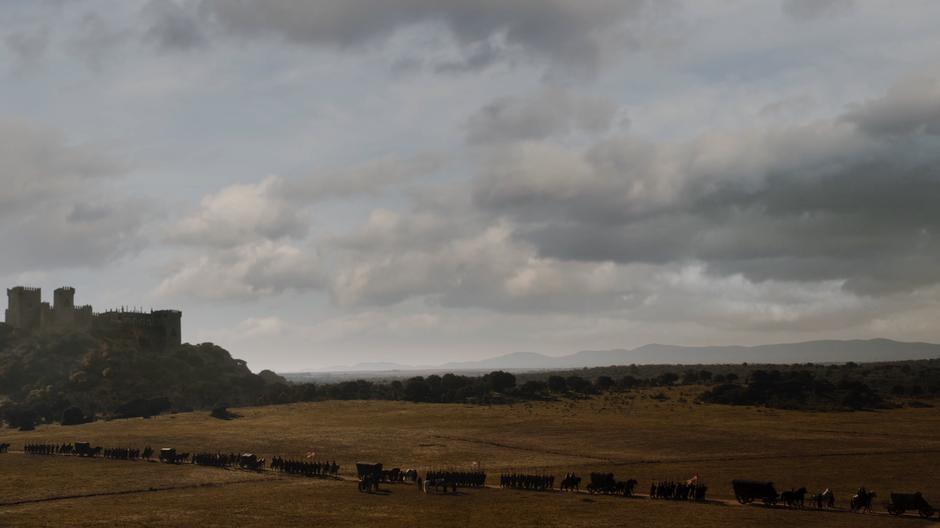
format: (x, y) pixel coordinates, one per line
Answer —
(631, 434)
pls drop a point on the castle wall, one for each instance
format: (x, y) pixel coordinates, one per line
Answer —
(154, 329)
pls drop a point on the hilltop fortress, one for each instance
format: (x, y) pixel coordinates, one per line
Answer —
(27, 312)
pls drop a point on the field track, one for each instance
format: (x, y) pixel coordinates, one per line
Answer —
(692, 460)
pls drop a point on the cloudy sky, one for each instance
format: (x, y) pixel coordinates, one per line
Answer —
(326, 182)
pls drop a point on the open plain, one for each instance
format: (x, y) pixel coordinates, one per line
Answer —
(630, 434)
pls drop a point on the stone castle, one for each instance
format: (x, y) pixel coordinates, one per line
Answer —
(27, 312)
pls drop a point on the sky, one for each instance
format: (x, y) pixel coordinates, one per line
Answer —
(318, 183)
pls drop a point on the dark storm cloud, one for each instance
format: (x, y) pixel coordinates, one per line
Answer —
(572, 32)
(852, 199)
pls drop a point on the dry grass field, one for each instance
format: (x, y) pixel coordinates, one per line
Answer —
(631, 435)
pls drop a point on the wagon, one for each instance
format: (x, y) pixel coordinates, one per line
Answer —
(602, 483)
(168, 455)
(250, 461)
(747, 491)
(369, 475)
(902, 502)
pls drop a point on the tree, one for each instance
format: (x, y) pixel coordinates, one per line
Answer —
(578, 384)
(499, 381)
(73, 416)
(416, 389)
(667, 378)
(603, 383)
(533, 388)
(629, 382)
(557, 384)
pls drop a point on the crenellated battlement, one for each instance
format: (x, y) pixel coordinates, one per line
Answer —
(26, 311)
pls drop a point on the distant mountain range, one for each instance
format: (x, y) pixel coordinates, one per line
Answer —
(828, 351)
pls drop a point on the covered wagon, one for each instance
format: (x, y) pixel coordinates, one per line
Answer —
(902, 502)
(369, 476)
(747, 491)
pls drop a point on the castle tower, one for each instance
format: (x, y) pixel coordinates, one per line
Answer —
(167, 327)
(24, 308)
(63, 298)
(63, 307)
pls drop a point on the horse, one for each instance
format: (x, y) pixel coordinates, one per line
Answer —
(861, 501)
(794, 498)
(571, 482)
(627, 487)
(826, 499)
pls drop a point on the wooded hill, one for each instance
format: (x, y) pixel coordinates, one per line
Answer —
(44, 375)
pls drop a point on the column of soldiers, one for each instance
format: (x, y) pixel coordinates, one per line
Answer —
(123, 453)
(302, 467)
(221, 460)
(4, 447)
(463, 479)
(46, 449)
(678, 490)
(526, 482)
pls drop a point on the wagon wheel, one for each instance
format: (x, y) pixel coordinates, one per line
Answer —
(895, 510)
(362, 486)
(926, 512)
(744, 500)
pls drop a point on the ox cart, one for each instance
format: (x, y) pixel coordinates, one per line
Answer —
(902, 502)
(747, 491)
(369, 476)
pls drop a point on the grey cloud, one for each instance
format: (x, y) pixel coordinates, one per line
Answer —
(476, 56)
(833, 200)
(252, 239)
(910, 106)
(173, 27)
(247, 271)
(51, 209)
(40, 165)
(553, 111)
(804, 10)
(366, 179)
(28, 47)
(96, 39)
(565, 32)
